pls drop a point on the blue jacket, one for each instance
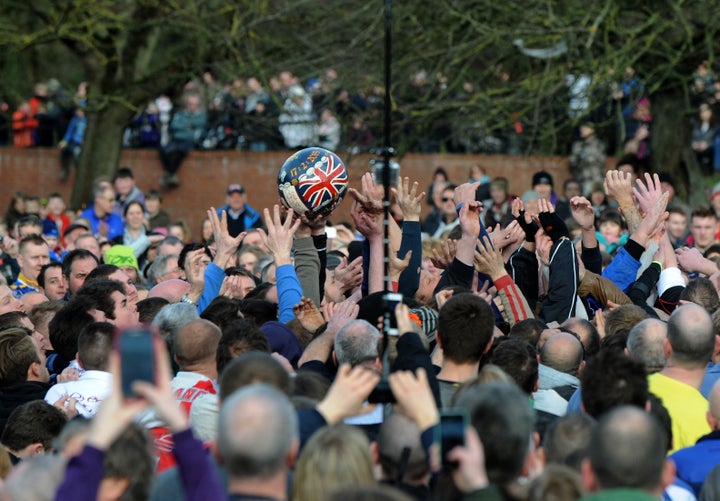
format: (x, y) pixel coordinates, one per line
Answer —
(251, 217)
(622, 270)
(694, 463)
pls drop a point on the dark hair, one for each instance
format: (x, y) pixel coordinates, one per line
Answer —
(465, 327)
(611, 379)
(17, 353)
(703, 211)
(98, 295)
(528, 330)
(95, 343)
(31, 240)
(33, 422)
(44, 269)
(66, 325)
(76, 255)
(124, 173)
(12, 319)
(238, 337)
(259, 310)
(518, 359)
(310, 384)
(102, 272)
(503, 418)
(250, 368)
(222, 310)
(134, 202)
(149, 307)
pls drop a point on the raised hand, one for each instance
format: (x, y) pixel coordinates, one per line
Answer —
(648, 193)
(583, 213)
(279, 236)
(407, 198)
(446, 255)
(308, 314)
(618, 184)
(396, 265)
(349, 275)
(225, 244)
(347, 394)
(488, 260)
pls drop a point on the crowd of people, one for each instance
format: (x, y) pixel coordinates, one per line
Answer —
(574, 335)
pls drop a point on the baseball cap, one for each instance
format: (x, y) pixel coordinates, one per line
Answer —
(233, 188)
(74, 227)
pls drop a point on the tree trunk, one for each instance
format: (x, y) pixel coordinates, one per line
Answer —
(671, 147)
(101, 149)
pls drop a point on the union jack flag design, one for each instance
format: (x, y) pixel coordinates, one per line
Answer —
(324, 183)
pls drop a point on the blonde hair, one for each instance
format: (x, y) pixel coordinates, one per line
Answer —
(335, 457)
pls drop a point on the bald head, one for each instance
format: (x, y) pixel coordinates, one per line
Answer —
(645, 344)
(562, 352)
(691, 336)
(195, 345)
(173, 290)
(397, 432)
(628, 449)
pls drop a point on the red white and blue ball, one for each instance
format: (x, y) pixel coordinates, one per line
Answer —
(312, 182)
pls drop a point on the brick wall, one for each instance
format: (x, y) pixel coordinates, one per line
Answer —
(205, 175)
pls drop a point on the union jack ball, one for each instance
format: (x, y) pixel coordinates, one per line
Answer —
(312, 182)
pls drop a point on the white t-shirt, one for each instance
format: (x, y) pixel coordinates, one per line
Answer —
(89, 391)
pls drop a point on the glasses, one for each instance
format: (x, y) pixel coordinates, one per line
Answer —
(446, 199)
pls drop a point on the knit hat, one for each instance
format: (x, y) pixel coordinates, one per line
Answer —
(542, 177)
(121, 255)
(283, 341)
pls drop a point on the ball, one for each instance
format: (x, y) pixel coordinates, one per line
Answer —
(312, 182)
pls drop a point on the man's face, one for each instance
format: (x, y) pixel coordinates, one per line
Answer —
(90, 243)
(124, 185)
(8, 302)
(236, 201)
(126, 314)
(447, 206)
(173, 270)
(40, 339)
(71, 237)
(703, 230)
(248, 261)
(104, 203)
(32, 258)
(254, 239)
(56, 206)
(544, 190)
(246, 285)
(79, 271)
(152, 205)
(44, 375)
(130, 289)
(677, 225)
(55, 286)
(572, 190)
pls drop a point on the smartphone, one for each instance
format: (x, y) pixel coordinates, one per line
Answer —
(451, 433)
(137, 357)
(390, 301)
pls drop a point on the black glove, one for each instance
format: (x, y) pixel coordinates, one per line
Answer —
(554, 226)
(529, 228)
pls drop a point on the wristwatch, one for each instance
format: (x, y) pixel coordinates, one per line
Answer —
(186, 299)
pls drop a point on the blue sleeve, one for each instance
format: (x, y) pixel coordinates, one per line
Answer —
(411, 240)
(289, 291)
(309, 421)
(575, 402)
(116, 227)
(214, 276)
(622, 270)
(200, 482)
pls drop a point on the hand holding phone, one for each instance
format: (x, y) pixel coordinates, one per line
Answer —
(450, 433)
(136, 347)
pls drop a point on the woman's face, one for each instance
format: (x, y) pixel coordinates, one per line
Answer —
(497, 194)
(207, 230)
(134, 217)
